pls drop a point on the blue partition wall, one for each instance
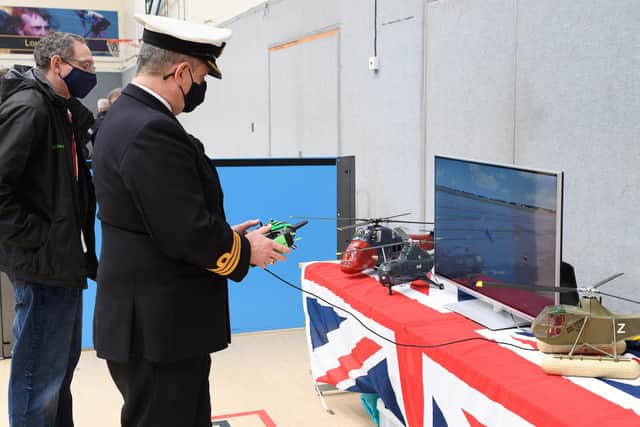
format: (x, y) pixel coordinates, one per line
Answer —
(273, 191)
(261, 302)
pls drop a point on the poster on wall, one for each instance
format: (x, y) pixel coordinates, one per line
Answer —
(22, 27)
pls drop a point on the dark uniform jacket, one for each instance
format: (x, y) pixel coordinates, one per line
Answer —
(96, 125)
(167, 249)
(43, 208)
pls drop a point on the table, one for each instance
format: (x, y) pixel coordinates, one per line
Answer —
(471, 383)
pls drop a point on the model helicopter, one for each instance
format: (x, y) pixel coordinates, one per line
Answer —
(413, 263)
(585, 340)
(374, 243)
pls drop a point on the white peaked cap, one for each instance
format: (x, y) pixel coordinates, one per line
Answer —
(202, 41)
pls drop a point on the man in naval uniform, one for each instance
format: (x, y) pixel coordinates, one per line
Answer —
(167, 250)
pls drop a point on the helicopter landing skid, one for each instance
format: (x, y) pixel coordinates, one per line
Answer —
(430, 282)
(434, 283)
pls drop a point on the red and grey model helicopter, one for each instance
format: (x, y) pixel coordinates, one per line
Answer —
(374, 243)
(414, 260)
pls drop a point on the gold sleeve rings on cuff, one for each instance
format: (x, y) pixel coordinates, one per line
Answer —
(228, 261)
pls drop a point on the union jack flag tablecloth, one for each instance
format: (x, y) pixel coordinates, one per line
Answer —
(474, 383)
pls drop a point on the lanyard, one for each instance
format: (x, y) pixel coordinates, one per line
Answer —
(74, 155)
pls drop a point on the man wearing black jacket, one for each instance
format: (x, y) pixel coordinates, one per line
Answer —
(47, 209)
(167, 249)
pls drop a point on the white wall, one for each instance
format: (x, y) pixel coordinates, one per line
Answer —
(216, 11)
(550, 85)
(470, 72)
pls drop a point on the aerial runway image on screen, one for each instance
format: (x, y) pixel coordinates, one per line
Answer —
(498, 224)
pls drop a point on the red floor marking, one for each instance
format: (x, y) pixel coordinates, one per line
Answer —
(261, 413)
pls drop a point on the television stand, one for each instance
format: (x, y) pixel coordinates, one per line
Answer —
(483, 313)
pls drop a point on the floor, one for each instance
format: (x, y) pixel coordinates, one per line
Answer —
(261, 377)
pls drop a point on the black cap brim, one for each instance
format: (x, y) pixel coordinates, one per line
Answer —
(203, 51)
(213, 67)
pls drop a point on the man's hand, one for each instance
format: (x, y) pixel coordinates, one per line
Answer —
(264, 251)
(242, 228)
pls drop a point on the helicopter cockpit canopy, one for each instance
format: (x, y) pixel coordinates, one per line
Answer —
(380, 239)
(356, 258)
(377, 235)
(555, 321)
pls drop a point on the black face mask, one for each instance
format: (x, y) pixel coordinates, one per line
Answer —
(195, 96)
(80, 82)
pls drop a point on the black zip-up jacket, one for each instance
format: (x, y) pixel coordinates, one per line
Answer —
(43, 208)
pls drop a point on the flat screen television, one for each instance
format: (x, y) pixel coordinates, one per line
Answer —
(498, 223)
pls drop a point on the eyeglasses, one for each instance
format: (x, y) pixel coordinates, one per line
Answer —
(88, 66)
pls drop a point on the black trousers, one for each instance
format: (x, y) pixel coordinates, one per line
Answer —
(168, 394)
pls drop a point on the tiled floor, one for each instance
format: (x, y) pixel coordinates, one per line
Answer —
(261, 377)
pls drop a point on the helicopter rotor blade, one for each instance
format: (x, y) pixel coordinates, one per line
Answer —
(372, 220)
(608, 279)
(348, 227)
(408, 222)
(386, 245)
(364, 221)
(536, 288)
(616, 296)
(324, 218)
(377, 221)
(394, 216)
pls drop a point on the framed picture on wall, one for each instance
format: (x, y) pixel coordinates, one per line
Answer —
(22, 27)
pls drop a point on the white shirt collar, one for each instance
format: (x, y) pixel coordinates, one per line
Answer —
(154, 94)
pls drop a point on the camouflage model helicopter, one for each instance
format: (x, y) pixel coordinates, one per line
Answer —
(584, 340)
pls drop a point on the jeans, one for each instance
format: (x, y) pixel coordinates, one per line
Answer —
(48, 333)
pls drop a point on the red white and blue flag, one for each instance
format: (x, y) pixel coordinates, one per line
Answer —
(343, 357)
(475, 383)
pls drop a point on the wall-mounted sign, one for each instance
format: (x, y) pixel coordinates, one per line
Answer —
(22, 27)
